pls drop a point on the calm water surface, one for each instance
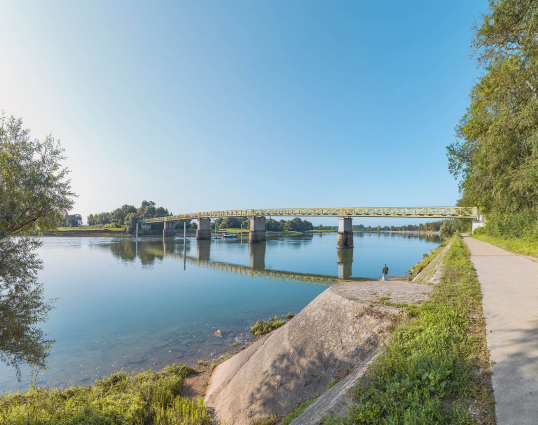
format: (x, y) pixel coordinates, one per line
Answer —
(119, 305)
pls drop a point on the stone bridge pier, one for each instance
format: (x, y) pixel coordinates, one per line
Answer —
(203, 250)
(345, 233)
(203, 231)
(257, 256)
(169, 229)
(257, 229)
(344, 259)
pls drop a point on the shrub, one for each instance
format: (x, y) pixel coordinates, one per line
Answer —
(266, 326)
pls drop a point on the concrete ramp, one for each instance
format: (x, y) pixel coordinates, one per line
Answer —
(336, 332)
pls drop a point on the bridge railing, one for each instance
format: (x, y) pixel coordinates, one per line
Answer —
(412, 212)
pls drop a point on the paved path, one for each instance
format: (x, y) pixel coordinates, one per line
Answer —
(509, 285)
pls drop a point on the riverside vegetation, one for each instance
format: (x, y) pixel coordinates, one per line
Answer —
(263, 327)
(435, 368)
(143, 398)
(496, 155)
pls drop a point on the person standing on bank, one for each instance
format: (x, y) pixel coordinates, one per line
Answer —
(385, 272)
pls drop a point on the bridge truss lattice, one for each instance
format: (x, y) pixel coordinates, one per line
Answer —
(411, 212)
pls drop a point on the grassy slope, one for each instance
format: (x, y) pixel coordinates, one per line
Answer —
(520, 246)
(436, 368)
(144, 398)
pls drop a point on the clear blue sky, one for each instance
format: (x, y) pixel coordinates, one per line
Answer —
(212, 105)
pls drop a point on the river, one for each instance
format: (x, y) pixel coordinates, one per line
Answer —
(122, 305)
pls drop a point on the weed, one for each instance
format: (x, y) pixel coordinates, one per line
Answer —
(266, 326)
(290, 315)
(270, 420)
(333, 383)
(296, 413)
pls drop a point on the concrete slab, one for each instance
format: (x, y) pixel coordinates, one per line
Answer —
(336, 332)
(509, 285)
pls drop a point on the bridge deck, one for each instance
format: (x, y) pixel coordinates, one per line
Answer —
(412, 212)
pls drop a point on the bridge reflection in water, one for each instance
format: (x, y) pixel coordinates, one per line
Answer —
(148, 252)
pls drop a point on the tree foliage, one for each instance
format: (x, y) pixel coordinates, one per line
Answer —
(22, 305)
(35, 192)
(71, 220)
(35, 195)
(128, 215)
(496, 154)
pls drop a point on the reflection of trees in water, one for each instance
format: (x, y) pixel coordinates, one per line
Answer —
(22, 305)
(126, 251)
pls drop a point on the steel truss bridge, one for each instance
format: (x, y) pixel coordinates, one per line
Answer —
(411, 212)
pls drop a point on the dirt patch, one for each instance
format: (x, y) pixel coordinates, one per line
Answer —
(195, 386)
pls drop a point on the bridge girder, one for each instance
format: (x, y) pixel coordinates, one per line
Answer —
(411, 212)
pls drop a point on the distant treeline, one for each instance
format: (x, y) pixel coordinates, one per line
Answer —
(71, 220)
(295, 225)
(128, 215)
(434, 226)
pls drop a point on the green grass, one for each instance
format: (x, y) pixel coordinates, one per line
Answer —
(429, 372)
(296, 413)
(93, 228)
(279, 420)
(518, 245)
(231, 230)
(264, 327)
(143, 398)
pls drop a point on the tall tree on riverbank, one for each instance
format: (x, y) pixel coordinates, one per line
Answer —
(496, 155)
(35, 194)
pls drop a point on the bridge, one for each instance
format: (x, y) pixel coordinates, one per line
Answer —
(257, 267)
(257, 232)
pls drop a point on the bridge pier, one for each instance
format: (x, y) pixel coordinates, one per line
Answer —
(203, 231)
(345, 233)
(257, 256)
(344, 259)
(169, 230)
(257, 229)
(203, 250)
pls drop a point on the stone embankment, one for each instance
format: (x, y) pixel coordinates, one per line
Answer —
(336, 333)
(433, 271)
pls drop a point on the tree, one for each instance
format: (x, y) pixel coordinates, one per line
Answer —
(230, 223)
(22, 305)
(35, 195)
(71, 220)
(496, 154)
(34, 187)
(130, 222)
